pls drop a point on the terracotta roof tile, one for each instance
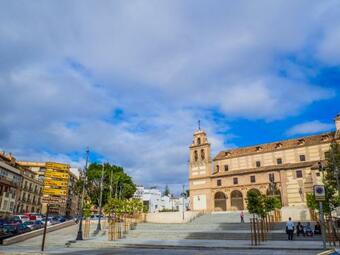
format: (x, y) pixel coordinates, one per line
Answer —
(275, 146)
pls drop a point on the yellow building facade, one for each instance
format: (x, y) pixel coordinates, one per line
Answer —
(285, 169)
(55, 177)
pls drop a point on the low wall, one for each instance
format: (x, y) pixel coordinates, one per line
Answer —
(171, 217)
(297, 213)
(28, 235)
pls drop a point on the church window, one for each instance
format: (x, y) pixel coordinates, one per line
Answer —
(278, 145)
(198, 141)
(219, 182)
(195, 155)
(258, 163)
(226, 168)
(252, 179)
(235, 180)
(298, 173)
(301, 141)
(202, 154)
(271, 177)
(302, 158)
(279, 161)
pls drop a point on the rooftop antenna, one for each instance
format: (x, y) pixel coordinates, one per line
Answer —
(199, 125)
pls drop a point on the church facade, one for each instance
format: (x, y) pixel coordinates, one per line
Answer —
(285, 169)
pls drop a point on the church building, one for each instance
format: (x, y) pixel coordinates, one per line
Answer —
(285, 169)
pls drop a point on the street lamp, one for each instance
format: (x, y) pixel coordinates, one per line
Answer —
(183, 205)
(99, 227)
(80, 230)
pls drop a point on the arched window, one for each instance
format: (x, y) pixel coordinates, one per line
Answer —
(237, 200)
(202, 154)
(220, 201)
(195, 155)
(198, 140)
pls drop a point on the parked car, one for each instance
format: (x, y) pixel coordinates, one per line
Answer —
(16, 229)
(96, 217)
(51, 220)
(4, 233)
(39, 224)
(31, 224)
(22, 218)
(38, 216)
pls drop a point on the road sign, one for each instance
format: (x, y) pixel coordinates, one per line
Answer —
(53, 174)
(49, 182)
(53, 200)
(57, 192)
(58, 166)
(319, 192)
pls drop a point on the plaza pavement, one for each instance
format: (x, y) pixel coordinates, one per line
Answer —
(148, 244)
(55, 244)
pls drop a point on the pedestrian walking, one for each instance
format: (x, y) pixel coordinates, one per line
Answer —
(242, 217)
(290, 229)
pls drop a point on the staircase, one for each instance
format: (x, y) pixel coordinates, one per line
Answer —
(215, 226)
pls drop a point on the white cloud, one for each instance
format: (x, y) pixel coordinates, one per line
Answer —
(161, 62)
(310, 128)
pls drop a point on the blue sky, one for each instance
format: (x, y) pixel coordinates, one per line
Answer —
(130, 79)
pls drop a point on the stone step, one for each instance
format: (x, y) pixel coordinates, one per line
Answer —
(214, 226)
(172, 235)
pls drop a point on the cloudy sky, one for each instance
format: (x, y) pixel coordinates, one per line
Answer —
(131, 78)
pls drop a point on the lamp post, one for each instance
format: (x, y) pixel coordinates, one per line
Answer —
(183, 206)
(99, 226)
(80, 230)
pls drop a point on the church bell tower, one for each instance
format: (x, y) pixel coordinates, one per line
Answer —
(199, 172)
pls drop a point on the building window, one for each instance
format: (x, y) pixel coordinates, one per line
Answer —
(298, 173)
(252, 179)
(226, 167)
(235, 180)
(219, 182)
(198, 141)
(302, 158)
(317, 174)
(271, 177)
(279, 161)
(258, 163)
(278, 145)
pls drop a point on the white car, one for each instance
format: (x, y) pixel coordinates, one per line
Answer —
(23, 218)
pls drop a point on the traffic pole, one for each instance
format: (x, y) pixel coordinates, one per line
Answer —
(45, 229)
(323, 231)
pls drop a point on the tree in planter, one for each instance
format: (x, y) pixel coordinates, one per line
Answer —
(255, 203)
(115, 183)
(260, 204)
(271, 203)
(332, 197)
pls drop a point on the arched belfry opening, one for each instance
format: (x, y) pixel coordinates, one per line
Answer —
(220, 200)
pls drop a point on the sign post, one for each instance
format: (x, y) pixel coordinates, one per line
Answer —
(45, 228)
(320, 195)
